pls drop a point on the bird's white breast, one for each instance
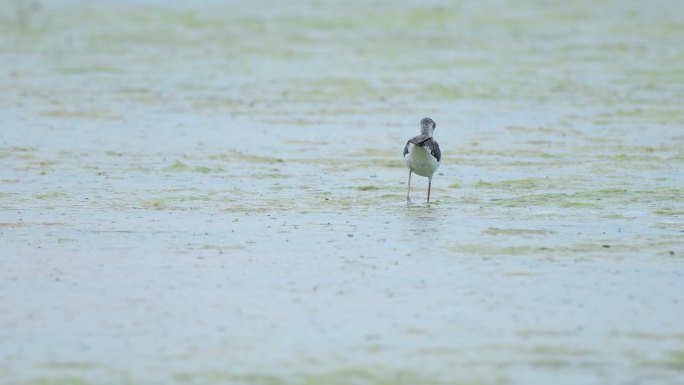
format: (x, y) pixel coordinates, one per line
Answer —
(420, 160)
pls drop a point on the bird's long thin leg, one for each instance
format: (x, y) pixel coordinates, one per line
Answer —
(429, 185)
(408, 192)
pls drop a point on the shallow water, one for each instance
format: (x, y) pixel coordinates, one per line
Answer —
(215, 194)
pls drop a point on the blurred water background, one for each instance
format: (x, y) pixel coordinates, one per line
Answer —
(213, 192)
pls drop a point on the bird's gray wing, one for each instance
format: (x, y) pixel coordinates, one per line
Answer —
(434, 149)
(417, 140)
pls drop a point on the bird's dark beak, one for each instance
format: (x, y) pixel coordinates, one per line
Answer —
(434, 125)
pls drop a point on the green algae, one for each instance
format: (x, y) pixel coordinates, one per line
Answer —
(55, 195)
(470, 199)
(87, 70)
(156, 204)
(527, 184)
(58, 380)
(393, 196)
(6, 151)
(519, 274)
(83, 114)
(178, 166)
(575, 204)
(365, 376)
(560, 350)
(638, 334)
(182, 167)
(207, 170)
(335, 89)
(367, 188)
(656, 115)
(521, 232)
(673, 360)
(510, 153)
(669, 211)
(222, 249)
(10, 225)
(550, 199)
(80, 365)
(148, 96)
(669, 225)
(214, 103)
(241, 156)
(560, 251)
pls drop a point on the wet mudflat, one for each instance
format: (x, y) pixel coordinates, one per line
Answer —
(215, 194)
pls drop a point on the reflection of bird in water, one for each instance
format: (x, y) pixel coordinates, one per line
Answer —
(422, 155)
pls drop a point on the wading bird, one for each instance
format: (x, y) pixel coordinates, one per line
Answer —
(422, 155)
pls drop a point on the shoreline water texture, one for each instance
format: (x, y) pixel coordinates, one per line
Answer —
(209, 192)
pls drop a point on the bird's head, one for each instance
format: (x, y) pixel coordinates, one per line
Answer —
(427, 127)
